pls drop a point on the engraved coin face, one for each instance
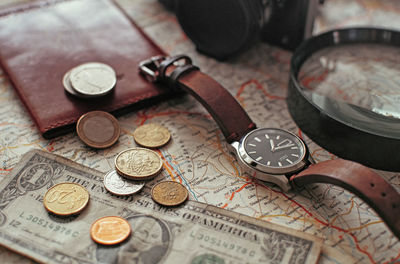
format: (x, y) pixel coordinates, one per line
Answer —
(67, 86)
(151, 135)
(138, 163)
(66, 198)
(169, 193)
(93, 79)
(110, 230)
(118, 185)
(98, 129)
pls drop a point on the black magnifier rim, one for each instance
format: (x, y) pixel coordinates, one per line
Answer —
(340, 133)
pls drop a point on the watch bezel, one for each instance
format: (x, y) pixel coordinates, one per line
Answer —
(252, 163)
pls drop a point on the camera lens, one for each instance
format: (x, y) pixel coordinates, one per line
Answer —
(218, 28)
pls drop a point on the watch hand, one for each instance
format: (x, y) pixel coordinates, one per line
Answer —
(284, 146)
(271, 142)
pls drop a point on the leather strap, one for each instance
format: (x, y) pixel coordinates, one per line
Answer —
(361, 181)
(223, 107)
(235, 123)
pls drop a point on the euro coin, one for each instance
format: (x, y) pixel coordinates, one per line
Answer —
(66, 199)
(98, 129)
(118, 185)
(110, 230)
(151, 135)
(93, 79)
(169, 193)
(138, 163)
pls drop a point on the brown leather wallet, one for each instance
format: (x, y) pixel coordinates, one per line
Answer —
(41, 41)
(273, 154)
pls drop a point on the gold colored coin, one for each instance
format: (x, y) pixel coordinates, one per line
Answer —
(138, 163)
(169, 193)
(110, 230)
(151, 135)
(66, 198)
(98, 129)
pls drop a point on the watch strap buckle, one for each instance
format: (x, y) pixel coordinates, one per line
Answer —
(150, 68)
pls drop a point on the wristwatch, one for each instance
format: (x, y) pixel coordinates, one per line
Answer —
(272, 154)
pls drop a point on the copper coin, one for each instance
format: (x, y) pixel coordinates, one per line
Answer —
(66, 198)
(151, 135)
(118, 185)
(169, 193)
(110, 230)
(98, 129)
(138, 163)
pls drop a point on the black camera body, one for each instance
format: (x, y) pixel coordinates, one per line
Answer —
(223, 28)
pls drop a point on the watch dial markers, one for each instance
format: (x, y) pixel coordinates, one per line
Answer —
(274, 147)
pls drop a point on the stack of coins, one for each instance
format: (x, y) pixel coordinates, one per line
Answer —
(90, 80)
(136, 165)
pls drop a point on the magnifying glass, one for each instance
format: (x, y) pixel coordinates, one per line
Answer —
(344, 93)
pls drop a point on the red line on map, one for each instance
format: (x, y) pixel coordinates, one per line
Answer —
(324, 223)
(259, 87)
(309, 79)
(233, 194)
(50, 146)
(6, 169)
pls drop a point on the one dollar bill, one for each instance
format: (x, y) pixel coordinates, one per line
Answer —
(194, 233)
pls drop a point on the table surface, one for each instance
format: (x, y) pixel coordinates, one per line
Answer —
(197, 156)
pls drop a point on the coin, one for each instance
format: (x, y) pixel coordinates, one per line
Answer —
(93, 79)
(118, 185)
(68, 87)
(138, 163)
(98, 129)
(151, 135)
(169, 193)
(110, 230)
(66, 198)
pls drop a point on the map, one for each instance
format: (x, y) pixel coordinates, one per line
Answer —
(197, 155)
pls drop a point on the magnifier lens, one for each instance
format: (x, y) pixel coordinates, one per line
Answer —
(344, 94)
(356, 83)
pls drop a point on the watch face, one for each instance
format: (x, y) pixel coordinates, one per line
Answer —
(274, 148)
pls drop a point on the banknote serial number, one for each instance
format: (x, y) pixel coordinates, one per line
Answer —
(214, 241)
(45, 224)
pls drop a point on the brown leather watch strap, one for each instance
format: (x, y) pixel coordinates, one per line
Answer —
(361, 181)
(225, 110)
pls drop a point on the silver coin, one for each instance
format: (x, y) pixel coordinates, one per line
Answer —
(93, 79)
(118, 185)
(68, 87)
